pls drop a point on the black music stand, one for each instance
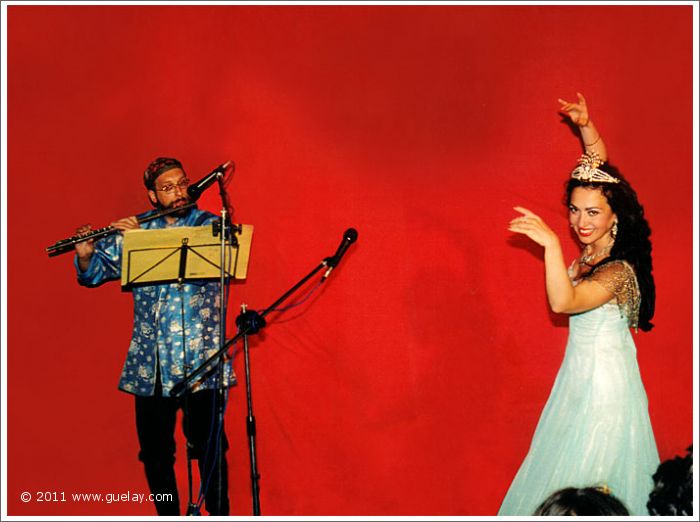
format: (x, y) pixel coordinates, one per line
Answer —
(180, 254)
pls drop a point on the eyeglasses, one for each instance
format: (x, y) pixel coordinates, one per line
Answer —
(170, 187)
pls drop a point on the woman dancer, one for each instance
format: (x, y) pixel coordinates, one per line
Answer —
(595, 428)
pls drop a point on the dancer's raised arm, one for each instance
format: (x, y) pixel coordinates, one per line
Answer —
(578, 114)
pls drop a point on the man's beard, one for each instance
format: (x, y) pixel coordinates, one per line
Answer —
(177, 203)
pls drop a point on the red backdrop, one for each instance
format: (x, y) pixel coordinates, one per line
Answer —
(412, 382)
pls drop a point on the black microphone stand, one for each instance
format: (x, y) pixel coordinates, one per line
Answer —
(250, 323)
(208, 365)
(222, 228)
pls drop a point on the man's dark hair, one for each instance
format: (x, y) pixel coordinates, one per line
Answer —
(156, 168)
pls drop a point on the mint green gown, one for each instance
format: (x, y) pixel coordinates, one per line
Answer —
(594, 429)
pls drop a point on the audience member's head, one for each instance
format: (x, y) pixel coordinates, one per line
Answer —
(673, 487)
(581, 502)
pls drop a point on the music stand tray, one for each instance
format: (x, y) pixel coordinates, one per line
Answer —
(182, 253)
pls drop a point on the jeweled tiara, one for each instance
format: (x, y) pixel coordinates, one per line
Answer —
(589, 172)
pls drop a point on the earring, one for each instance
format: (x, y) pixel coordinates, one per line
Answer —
(613, 230)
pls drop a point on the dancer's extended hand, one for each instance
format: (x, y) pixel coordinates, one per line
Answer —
(576, 112)
(533, 227)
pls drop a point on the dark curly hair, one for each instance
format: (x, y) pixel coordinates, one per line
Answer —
(589, 501)
(632, 242)
(673, 487)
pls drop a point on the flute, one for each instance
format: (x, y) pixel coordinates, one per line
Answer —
(66, 245)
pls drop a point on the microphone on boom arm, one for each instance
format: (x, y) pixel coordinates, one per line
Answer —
(349, 237)
(196, 189)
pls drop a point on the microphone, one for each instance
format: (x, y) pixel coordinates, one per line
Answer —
(349, 237)
(195, 190)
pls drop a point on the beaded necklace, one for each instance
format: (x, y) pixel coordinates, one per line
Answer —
(586, 259)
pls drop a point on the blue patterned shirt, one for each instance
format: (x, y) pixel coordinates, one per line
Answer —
(160, 310)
